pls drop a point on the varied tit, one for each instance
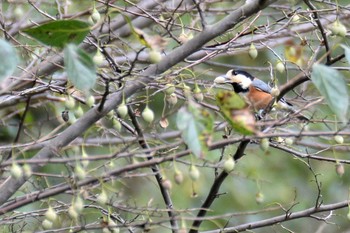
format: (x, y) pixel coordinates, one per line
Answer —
(256, 92)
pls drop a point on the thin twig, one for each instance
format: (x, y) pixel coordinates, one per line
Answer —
(155, 169)
(319, 24)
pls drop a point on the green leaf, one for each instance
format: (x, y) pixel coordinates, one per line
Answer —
(333, 88)
(236, 112)
(80, 67)
(196, 126)
(7, 65)
(60, 33)
(347, 52)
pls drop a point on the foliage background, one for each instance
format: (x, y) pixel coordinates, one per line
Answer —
(264, 184)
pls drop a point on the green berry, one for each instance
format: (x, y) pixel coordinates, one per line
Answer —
(69, 103)
(80, 172)
(51, 214)
(280, 67)
(148, 114)
(338, 29)
(95, 16)
(229, 164)
(98, 58)
(116, 124)
(339, 139)
(194, 173)
(16, 171)
(169, 89)
(264, 144)
(122, 110)
(47, 224)
(155, 56)
(102, 197)
(78, 112)
(253, 52)
(259, 198)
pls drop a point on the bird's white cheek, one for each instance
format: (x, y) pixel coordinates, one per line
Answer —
(246, 83)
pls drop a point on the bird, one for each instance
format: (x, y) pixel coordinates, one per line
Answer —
(256, 92)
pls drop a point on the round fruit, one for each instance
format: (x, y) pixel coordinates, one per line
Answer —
(339, 168)
(169, 89)
(85, 156)
(264, 144)
(47, 224)
(51, 214)
(122, 110)
(155, 56)
(18, 12)
(167, 184)
(80, 172)
(178, 177)
(171, 99)
(280, 67)
(186, 90)
(27, 170)
(259, 198)
(72, 212)
(78, 204)
(194, 173)
(253, 52)
(110, 114)
(338, 29)
(78, 112)
(295, 18)
(229, 165)
(339, 139)
(102, 197)
(16, 171)
(148, 114)
(117, 125)
(289, 141)
(95, 16)
(197, 94)
(69, 103)
(275, 91)
(98, 58)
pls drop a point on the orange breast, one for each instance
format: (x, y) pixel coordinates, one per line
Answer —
(258, 99)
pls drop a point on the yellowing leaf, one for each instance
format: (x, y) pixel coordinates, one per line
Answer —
(236, 112)
(139, 34)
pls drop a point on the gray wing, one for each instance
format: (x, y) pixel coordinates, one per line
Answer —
(257, 83)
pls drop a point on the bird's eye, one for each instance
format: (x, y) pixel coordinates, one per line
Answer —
(234, 72)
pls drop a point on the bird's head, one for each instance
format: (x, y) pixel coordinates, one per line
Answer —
(239, 79)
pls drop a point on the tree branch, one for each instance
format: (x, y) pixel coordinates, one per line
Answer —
(282, 218)
(212, 195)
